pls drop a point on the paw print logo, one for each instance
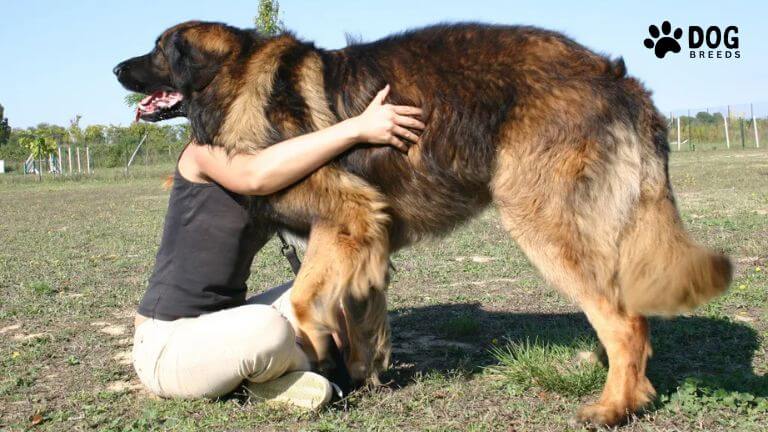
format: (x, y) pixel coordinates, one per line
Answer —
(667, 43)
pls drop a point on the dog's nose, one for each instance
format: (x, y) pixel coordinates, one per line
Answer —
(118, 69)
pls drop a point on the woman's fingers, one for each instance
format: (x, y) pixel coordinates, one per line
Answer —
(397, 142)
(381, 95)
(396, 121)
(405, 133)
(407, 110)
(409, 122)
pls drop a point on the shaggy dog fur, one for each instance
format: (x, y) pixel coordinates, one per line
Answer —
(568, 147)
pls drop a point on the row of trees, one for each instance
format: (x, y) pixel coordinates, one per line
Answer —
(109, 145)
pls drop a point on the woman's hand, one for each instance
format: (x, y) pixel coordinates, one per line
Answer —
(383, 123)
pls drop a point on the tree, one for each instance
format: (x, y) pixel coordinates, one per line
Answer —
(183, 132)
(5, 128)
(133, 99)
(705, 117)
(57, 134)
(75, 131)
(41, 143)
(268, 20)
(94, 134)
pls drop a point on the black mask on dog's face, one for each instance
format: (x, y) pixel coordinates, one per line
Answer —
(191, 67)
(185, 60)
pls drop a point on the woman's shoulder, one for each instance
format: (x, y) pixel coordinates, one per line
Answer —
(188, 166)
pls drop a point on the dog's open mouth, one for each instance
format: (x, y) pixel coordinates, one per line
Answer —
(160, 105)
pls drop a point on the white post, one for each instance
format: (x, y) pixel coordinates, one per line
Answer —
(87, 160)
(130, 161)
(69, 157)
(754, 125)
(61, 171)
(678, 134)
(79, 170)
(727, 138)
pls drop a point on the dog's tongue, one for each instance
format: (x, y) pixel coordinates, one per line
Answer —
(157, 100)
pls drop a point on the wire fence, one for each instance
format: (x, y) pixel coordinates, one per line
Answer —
(76, 160)
(726, 127)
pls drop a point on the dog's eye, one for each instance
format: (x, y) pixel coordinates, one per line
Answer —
(158, 48)
(158, 51)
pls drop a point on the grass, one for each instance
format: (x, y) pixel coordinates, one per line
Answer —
(550, 367)
(480, 342)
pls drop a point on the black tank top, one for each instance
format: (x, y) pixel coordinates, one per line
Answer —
(208, 244)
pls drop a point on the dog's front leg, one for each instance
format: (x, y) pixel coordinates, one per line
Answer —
(315, 301)
(339, 269)
(347, 257)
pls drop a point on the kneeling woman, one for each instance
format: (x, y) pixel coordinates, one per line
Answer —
(195, 334)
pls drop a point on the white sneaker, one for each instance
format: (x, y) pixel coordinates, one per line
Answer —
(303, 389)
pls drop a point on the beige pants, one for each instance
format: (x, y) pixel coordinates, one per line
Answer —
(211, 355)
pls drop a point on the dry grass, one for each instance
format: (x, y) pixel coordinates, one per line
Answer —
(75, 257)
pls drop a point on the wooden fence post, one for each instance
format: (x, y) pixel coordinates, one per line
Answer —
(741, 129)
(678, 134)
(39, 160)
(725, 122)
(61, 170)
(87, 159)
(690, 138)
(754, 124)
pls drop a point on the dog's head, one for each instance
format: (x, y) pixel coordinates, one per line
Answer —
(184, 62)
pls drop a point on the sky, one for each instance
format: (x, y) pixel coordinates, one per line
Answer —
(56, 57)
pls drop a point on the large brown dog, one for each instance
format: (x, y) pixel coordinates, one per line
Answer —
(571, 151)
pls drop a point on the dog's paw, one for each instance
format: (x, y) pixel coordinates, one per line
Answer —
(596, 415)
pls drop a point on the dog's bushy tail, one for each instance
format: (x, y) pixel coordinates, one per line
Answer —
(661, 270)
(168, 183)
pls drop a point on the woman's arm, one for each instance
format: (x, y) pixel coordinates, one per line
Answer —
(284, 163)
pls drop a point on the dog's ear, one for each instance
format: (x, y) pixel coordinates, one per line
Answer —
(192, 67)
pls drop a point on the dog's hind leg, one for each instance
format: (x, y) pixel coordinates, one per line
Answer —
(627, 344)
(574, 270)
(569, 223)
